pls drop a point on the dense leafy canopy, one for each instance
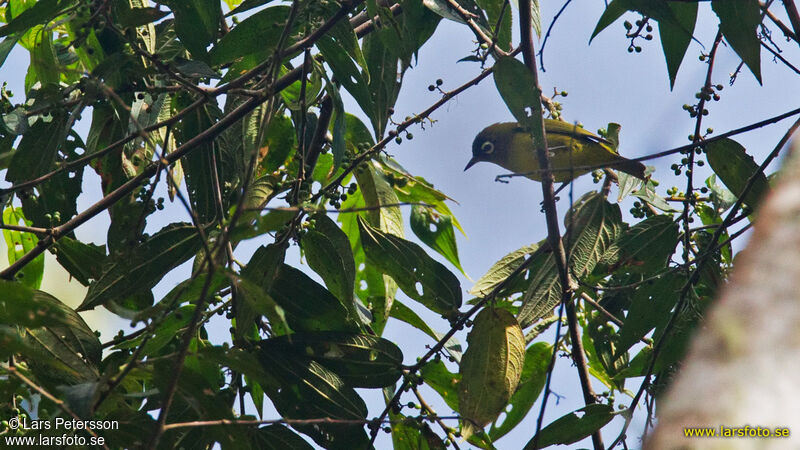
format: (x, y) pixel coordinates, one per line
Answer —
(235, 109)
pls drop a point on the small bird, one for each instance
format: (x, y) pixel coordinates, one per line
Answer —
(510, 146)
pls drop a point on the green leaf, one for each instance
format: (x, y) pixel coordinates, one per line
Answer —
(196, 24)
(261, 224)
(592, 226)
(246, 5)
(443, 8)
(42, 11)
(518, 88)
(197, 165)
(441, 380)
(257, 34)
(37, 151)
(347, 73)
(380, 198)
(650, 307)
(167, 331)
(405, 314)
(307, 390)
(136, 17)
(279, 437)
(739, 23)
(57, 344)
(493, 9)
(30, 308)
(57, 197)
(144, 266)
(280, 141)
(735, 167)
(194, 68)
(256, 302)
(5, 48)
(328, 253)
(501, 270)
(721, 199)
(574, 426)
(83, 261)
(491, 368)
(384, 81)
(531, 383)
(359, 360)
(647, 246)
(613, 11)
(417, 274)
(649, 195)
(599, 341)
(676, 36)
(308, 305)
(536, 16)
(412, 434)
(338, 126)
(436, 231)
(19, 243)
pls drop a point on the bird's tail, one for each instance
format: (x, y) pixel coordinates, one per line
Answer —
(630, 167)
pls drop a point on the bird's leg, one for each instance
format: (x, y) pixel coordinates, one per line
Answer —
(560, 188)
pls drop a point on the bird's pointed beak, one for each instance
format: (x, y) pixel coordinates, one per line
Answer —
(471, 163)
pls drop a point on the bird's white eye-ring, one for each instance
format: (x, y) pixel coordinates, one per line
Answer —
(487, 148)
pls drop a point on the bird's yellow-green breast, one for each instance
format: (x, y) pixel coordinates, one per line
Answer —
(511, 147)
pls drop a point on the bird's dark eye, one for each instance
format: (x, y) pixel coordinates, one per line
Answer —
(487, 147)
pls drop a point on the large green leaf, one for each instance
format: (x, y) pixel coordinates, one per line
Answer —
(307, 304)
(676, 36)
(380, 198)
(531, 383)
(83, 261)
(196, 24)
(280, 140)
(198, 165)
(143, 266)
(491, 368)
(42, 11)
(418, 275)
(441, 380)
(55, 341)
(411, 434)
(255, 302)
(328, 253)
(57, 197)
(377, 200)
(613, 11)
(735, 167)
(436, 231)
(573, 427)
(739, 23)
(257, 34)
(336, 54)
(37, 151)
(592, 227)
(18, 243)
(307, 390)
(501, 270)
(519, 91)
(384, 80)
(405, 314)
(493, 9)
(359, 360)
(279, 437)
(650, 307)
(647, 246)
